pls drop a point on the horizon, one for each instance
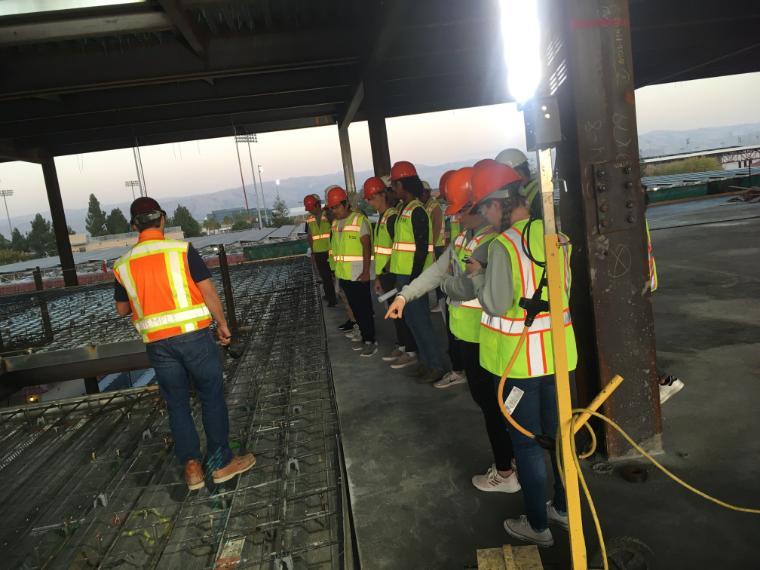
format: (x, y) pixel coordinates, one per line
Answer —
(194, 168)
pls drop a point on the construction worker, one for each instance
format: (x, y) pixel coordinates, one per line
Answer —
(449, 272)
(435, 212)
(514, 270)
(516, 159)
(318, 232)
(450, 223)
(412, 254)
(352, 256)
(167, 288)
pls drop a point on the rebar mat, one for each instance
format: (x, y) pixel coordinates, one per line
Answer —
(92, 482)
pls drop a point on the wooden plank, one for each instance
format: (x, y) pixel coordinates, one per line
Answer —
(522, 558)
(491, 559)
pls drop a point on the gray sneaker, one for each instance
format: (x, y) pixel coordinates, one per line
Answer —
(520, 528)
(395, 354)
(432, 375)
(404, 360)
(555, 516)
(450, 379)
(419, 371)
(369, 349)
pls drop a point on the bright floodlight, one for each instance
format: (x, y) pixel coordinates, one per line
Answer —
(521, 41)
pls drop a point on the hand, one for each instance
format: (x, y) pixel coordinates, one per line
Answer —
(396, 310)
(472, 266)
(363, 276)
(378, 287)
(223, 334)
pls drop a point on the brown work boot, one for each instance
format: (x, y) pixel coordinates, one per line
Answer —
(239, 464)
(194, 475)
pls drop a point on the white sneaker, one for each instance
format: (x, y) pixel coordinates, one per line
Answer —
(555, 516)
(355, 336)
(404, 360)
(450, 379)
(521, 529)
(492, 481)
(396, 353)
(369, 349)
(670, 389)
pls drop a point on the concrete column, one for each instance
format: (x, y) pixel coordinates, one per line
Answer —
(378, 140)
(59, 221)
(348, 162)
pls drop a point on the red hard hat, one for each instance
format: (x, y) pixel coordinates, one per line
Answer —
(489, 179)
(372, 186)
(310, 202)
(484, 162)
(442, 183)
(402, 169)
(459, 190)
(335, 196)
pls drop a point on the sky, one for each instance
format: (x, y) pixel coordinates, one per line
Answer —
(198, 167)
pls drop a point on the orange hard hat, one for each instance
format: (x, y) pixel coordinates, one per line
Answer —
(459, 190)
(402, 169)
(372, 186)
(442, 183)
(310, 202)
(489, 181)
(335, 196)
(484, 162)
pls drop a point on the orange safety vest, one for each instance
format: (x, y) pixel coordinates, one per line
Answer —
(164, 298)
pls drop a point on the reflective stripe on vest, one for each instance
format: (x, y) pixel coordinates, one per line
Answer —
(465, 316)
(404, 246)
(348, 252)
(165, 301)
(383, 241)
(430, 207)
(499, 334)
(320, 233)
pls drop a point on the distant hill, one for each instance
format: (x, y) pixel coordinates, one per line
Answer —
(658, 143)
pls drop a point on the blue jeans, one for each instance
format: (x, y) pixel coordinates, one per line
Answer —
(195, 354)
(537, 412)
(417, 318)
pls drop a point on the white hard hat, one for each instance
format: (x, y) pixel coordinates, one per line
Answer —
(426, 185)
(386, 180)
(511, 157)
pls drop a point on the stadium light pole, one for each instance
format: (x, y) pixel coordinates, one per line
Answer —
(5, 193)
(249, 138)
(132, 184)
(263, 196)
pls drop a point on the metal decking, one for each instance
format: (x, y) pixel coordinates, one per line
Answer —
(92, 482)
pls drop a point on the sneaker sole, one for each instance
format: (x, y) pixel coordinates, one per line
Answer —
(390, 358)
(235, 474)
(405, 365)
(368, 355)
(196, 486)
(490, 490)
(449, 385)
(519, 536)
(672, 393)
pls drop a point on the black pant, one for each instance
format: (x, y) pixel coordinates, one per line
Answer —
(323, 267)
(455, 351)
(480, 383)
(360, 301)
(404, 336)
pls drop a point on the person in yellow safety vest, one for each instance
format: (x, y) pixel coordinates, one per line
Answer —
(450, 223)
(435, 212)
(167, 288)
(318, 233)
(379, 197)
(669, 385)
(352, 255)
(412, 254)
(515, 270)
(516, 159)
(464, 327)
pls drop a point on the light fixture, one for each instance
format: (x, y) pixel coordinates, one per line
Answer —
(521, 43)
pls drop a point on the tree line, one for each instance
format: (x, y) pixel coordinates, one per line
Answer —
(99, 224)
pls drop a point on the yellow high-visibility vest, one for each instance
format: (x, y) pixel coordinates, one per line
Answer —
(383, 242)
(404, 246)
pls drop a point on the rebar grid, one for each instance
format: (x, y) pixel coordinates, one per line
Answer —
(93, 482)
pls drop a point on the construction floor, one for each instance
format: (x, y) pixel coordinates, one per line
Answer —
(411, 450)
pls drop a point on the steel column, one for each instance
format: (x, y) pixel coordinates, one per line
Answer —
(91, 385)
(378, 140)
(604, 217)
(229, 299)
(348, 162)
(59, 221)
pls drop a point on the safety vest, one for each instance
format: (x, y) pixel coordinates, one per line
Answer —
(348, 253)
(404, 246)
(454, 226)
(430, 207)
(652, 265)
(320, 233)
(164, 298)
(530, 191)
(499, 334)
(383, 241)
(465, 316)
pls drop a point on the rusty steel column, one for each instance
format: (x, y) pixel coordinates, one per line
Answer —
(603, 213)
(378, 140)
(59, 221)
(229, 300)
(347, 159)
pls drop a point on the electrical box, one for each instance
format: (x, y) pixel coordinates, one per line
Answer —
(542, 128)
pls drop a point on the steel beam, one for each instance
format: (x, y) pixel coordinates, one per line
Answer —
(353, 106)
(60, 227)
(378, 140)
(348, 163)
(185, 26)
(604, 217)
